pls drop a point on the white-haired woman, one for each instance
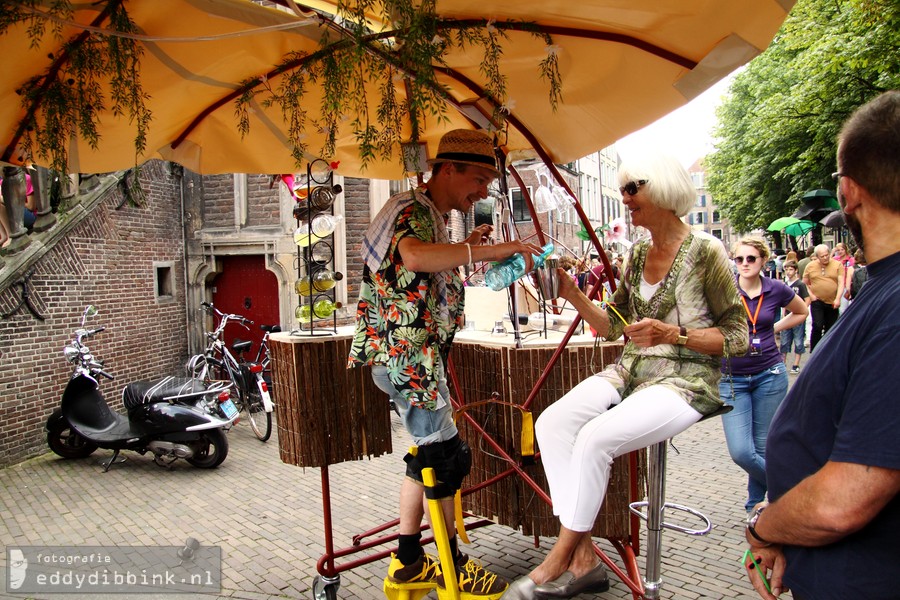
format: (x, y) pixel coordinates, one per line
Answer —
(678, 304)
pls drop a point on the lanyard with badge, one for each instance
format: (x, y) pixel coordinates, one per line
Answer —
(755, 343)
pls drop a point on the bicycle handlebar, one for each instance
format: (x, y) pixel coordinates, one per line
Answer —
(226, 317)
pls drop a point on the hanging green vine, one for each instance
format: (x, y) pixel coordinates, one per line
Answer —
(352, 56)
(68, 96)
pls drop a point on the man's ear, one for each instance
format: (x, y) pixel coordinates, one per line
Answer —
(851, 193)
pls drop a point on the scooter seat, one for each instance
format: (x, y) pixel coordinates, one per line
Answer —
(158, 390)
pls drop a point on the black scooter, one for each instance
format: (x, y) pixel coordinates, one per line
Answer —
(172, 417)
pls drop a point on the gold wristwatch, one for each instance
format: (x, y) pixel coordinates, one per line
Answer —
(681, 340)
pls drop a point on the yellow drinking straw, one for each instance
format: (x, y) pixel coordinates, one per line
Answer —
(608, 305)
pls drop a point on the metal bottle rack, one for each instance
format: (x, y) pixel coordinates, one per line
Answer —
(318, 254)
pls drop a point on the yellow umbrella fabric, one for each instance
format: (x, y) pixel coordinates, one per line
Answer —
(623, 64)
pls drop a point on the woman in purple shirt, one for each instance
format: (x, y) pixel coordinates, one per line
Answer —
(756, 383)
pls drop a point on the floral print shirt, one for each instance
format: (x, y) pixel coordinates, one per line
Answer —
(398, 316)
(698, 292)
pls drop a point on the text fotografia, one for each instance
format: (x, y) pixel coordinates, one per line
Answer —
(192, 568)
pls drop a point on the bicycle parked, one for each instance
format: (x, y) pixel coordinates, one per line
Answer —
(218, 362)
(263, 358)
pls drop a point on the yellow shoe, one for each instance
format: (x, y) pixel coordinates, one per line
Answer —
(425, 570)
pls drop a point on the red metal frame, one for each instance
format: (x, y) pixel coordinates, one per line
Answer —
(628, 548)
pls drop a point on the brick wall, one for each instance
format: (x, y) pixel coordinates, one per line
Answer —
(356, 218)
(108, 261)
(218, 200)
(263, 203)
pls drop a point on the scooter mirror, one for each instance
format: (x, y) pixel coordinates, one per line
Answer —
(89, 311)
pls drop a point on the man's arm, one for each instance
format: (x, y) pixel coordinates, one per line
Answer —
(841, 282)
(839, 499)
(426, 257)
(806, 281)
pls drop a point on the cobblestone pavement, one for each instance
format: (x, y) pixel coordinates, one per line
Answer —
(267, 516)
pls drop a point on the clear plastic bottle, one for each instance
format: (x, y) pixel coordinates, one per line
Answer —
(324, 225)
(322, 309)
(325, 308)
(536, 320)
(321, 226)
(504, 273)
(302, 287)
(325, 279)
(302, 236)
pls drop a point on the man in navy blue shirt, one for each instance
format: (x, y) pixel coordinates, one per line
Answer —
(832, 526)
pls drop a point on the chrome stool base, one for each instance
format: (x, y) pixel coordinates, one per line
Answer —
(655, 516)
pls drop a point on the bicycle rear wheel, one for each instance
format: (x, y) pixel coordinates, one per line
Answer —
(260, 420)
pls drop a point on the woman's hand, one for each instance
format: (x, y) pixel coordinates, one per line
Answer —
(647, 333)
(568, 289)
(479, 235)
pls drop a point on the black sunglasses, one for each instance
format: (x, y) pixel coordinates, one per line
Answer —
(740, 259)
(632, 187)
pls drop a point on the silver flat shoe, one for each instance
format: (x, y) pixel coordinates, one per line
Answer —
(568, 586)
(520, 589)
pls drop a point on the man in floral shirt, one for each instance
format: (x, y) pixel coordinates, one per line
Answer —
(410, 306)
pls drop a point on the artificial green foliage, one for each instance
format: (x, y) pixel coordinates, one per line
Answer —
(777, 130)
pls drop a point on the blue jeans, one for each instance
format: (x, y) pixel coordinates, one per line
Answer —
(755, 399)
(795, 336)
(425, 426)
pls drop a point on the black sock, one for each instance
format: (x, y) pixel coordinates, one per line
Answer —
(409, 550)
(454, 551)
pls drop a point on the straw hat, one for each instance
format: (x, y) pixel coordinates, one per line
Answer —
(467, 147)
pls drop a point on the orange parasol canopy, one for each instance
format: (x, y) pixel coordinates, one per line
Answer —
(622, 64)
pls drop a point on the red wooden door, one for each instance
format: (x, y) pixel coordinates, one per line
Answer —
(245, 287)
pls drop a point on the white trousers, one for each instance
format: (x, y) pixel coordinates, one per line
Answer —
(579, 435)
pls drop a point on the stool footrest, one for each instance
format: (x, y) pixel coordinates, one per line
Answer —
(635, 508)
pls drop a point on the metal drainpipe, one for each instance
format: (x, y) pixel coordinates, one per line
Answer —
(184, 257)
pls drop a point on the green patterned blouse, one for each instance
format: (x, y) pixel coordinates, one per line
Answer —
(399, 319)
(698, 292)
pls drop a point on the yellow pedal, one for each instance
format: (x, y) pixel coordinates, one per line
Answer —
(445, 594)
(406, 591)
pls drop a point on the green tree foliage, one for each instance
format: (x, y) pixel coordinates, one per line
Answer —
(776, 133)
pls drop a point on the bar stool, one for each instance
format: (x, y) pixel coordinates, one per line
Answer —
(656, 507)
